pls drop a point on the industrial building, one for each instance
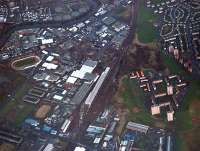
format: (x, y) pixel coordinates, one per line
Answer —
(137, 127)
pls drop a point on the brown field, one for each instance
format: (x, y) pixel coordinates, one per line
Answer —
(7, 147)
(121, 109)
(195, 112)
(42, 111)
(193, 136)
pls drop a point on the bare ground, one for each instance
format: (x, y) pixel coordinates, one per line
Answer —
(42, 111)
(121, 109)
(141, 55)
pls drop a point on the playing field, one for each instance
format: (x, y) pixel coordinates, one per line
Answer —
(42, 111)
(145, 29)
(24, 63)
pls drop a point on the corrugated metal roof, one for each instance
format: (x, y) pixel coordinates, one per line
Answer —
(98, 85)
(81, 94)
(90, 63)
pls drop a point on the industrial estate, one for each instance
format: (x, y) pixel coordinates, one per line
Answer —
(99, 75)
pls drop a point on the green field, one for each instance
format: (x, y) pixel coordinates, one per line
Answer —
(15, 110)
(134, 98)
(25, 62)
(145, 29)
(187, 136)
(172, 65)
(183, 123)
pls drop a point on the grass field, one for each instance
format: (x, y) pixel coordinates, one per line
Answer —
(123, 13)
(134, 100)
(172, 65)
(145, 29)
(187, 122)
(16, 109)
(25, 62)
(184, 124)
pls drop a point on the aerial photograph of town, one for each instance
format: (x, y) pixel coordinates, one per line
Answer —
(99, 75)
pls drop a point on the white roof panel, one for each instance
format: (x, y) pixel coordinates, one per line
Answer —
(78, 74)
(86, 69)
(71, 80)
(98, 85)
(80, 149)
(49, 66)
(57, 97)
(47, 41)
(50, 58)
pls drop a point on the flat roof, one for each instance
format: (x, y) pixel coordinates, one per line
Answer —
(50, 58)
(80, 149)
(98, 85)
(71, 80)
(90, 63)
(82, 93)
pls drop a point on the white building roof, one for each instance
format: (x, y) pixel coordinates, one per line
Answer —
(80, 149)
(123, 148)
(50, 66)
(50, 58)
(71, 80)
(80, 25)
(86, 69)
(73, 29)
(97, 140)
(64, 92)
(78, 74)
(49, 147)
(98, 85)
(65, 125)
(58, 97)
(44, 52)
(47, 41)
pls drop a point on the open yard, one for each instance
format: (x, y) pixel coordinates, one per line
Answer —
(134, 99)
(187, 123)
(7, 147)
(43, 111)
(24, 63)
(15, 110)
(145, 29)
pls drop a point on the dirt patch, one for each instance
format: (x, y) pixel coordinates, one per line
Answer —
(120, 108)
(7, 147)
(194, 111)
(192, 139)
(136, 110)
(140, 56)
(159, 124)
(42, 111)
